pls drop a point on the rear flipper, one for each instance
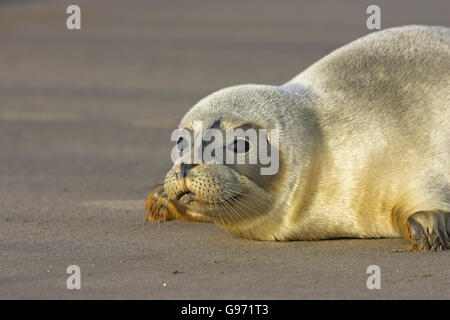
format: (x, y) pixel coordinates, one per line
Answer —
(429, 231)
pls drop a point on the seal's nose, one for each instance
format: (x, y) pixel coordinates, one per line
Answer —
(184, 169)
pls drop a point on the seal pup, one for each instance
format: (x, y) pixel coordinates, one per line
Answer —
(364, 148)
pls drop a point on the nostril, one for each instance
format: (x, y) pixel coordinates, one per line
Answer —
(185, 167)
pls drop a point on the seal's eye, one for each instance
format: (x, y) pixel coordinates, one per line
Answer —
(240, 146)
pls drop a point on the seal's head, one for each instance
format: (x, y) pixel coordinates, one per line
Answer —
(234, 184)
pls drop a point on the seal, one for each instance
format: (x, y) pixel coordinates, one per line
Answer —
(364, 149)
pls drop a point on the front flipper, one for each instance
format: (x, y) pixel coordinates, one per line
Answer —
(429, 231)
(160, 208)
(157, 206)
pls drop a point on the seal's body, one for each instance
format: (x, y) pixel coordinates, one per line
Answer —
(364, 148)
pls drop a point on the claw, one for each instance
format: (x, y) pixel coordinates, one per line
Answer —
(156, 206)
(160, 207)
(426, 232)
